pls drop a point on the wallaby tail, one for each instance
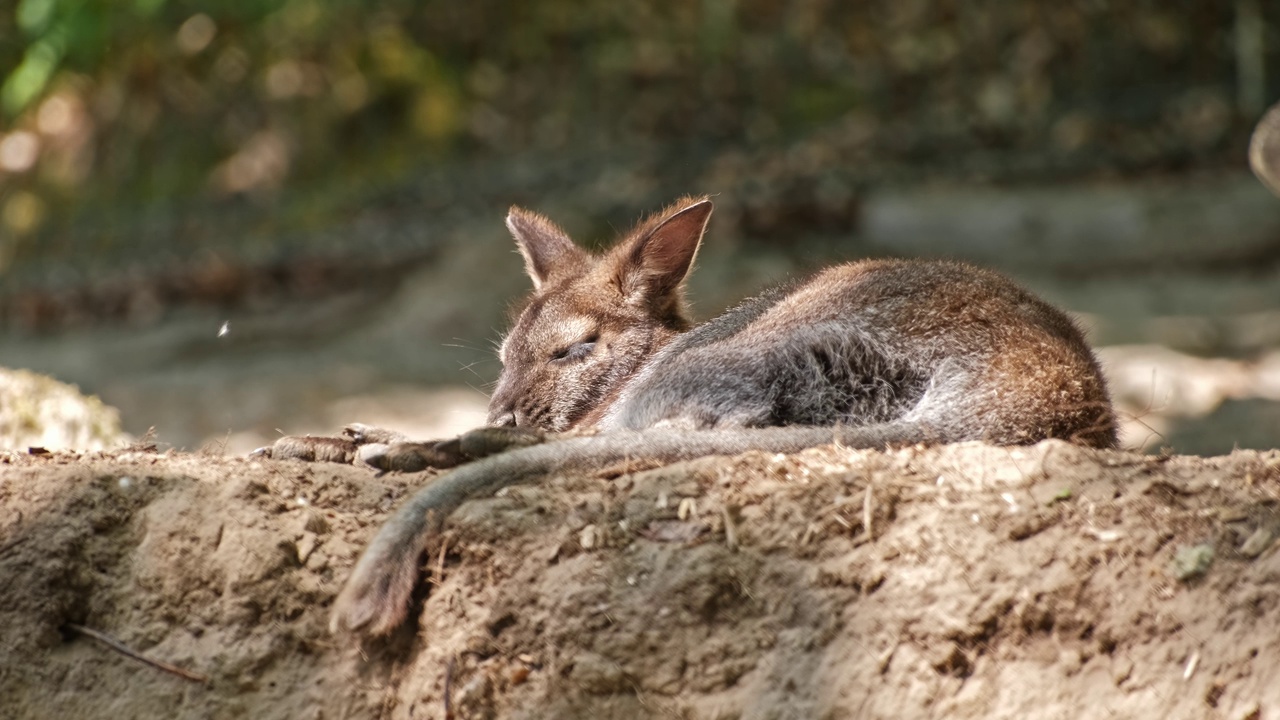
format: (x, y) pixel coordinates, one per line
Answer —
(377, 596)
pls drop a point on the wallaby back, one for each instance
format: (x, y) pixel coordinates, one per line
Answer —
(869, 354)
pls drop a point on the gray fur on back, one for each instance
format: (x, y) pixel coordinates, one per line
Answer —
(877, 342)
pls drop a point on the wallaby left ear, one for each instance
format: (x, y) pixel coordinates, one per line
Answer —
(548, 251)
(660, 256)
(1264, 149)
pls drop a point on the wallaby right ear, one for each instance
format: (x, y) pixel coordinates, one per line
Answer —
(1264, 149)
(545, 247)
(655, 262)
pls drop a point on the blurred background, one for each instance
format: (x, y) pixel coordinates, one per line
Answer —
(234, 219)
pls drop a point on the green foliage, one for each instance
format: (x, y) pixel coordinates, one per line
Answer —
(148, 101)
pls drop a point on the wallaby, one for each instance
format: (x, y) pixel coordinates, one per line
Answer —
(867, 354)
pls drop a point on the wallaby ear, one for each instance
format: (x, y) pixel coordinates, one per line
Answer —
(1264, 149)
(547, 250)
(658, 259)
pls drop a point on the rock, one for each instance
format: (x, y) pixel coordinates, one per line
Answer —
(38, 411)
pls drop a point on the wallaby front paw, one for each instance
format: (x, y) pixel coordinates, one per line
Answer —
(309, 448)
(390, 451)
(358, 442)
(412, 456)
(380, 449)
(445, 454)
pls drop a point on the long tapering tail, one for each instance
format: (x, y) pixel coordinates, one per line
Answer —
(377, 596)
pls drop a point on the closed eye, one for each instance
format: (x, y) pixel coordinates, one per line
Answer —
(578, 350)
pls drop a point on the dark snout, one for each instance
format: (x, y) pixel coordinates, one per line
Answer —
(502, 405)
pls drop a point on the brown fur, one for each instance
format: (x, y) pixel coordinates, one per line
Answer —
(612, 315)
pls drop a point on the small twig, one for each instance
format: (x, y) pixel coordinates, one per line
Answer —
(448, 688)
(439, 573)
(129, 652)
(730, 527)
(868, 512)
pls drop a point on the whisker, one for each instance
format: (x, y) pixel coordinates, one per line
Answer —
(462, 343)
(469, 367)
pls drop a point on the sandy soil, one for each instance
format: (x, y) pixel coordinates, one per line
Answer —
(957, 582)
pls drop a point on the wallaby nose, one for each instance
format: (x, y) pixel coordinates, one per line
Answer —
(504, 418)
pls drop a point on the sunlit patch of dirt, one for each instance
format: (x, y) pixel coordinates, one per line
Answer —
(963, 582)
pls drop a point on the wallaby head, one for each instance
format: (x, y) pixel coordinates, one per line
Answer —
(592, 319)
(1264, 149)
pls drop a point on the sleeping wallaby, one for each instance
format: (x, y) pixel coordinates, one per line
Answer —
(867, 354)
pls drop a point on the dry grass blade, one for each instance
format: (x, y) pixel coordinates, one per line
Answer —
(448, 689)
(130, 652)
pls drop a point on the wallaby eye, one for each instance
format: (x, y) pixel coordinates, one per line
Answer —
(578, 350)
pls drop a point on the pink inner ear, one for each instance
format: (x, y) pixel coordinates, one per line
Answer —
(660, 260)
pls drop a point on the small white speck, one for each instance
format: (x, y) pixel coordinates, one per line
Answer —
(974, 517)
(631, 579)
(125, 482)
(941, 480)
(587, 537)
(1192, 663)
(302, 501)
(226, 328)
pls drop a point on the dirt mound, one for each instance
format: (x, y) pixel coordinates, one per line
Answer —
(959, 582)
